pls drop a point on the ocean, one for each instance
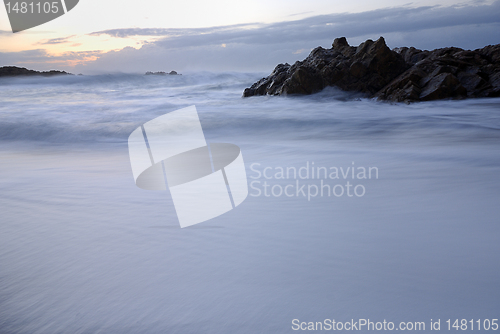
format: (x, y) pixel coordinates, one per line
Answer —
(357, 209)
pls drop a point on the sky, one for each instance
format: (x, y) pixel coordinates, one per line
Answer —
(102, 36)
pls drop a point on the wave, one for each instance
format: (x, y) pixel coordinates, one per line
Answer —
(107, 108)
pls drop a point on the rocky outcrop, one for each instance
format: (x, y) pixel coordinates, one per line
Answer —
(162, 73)
(13, 71)
(155, 73)
(402, 74)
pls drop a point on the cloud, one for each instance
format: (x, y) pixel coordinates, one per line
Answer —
(403, 20)
(262, 46)
(23, 57)
(251, 47)
(302, 13)
(299, 51)
(59, 40)
(170, 32)
(40, 60)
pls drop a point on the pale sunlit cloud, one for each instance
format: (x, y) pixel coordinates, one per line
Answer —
(59, 40)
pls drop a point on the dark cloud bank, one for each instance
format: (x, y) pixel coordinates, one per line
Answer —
(251, 47)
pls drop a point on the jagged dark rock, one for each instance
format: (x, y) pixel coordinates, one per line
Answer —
(402, 74)
(13, 71)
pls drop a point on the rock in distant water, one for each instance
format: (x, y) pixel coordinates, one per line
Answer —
(162, 73)
(155, 73)
(401, 74)
(12, 71)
